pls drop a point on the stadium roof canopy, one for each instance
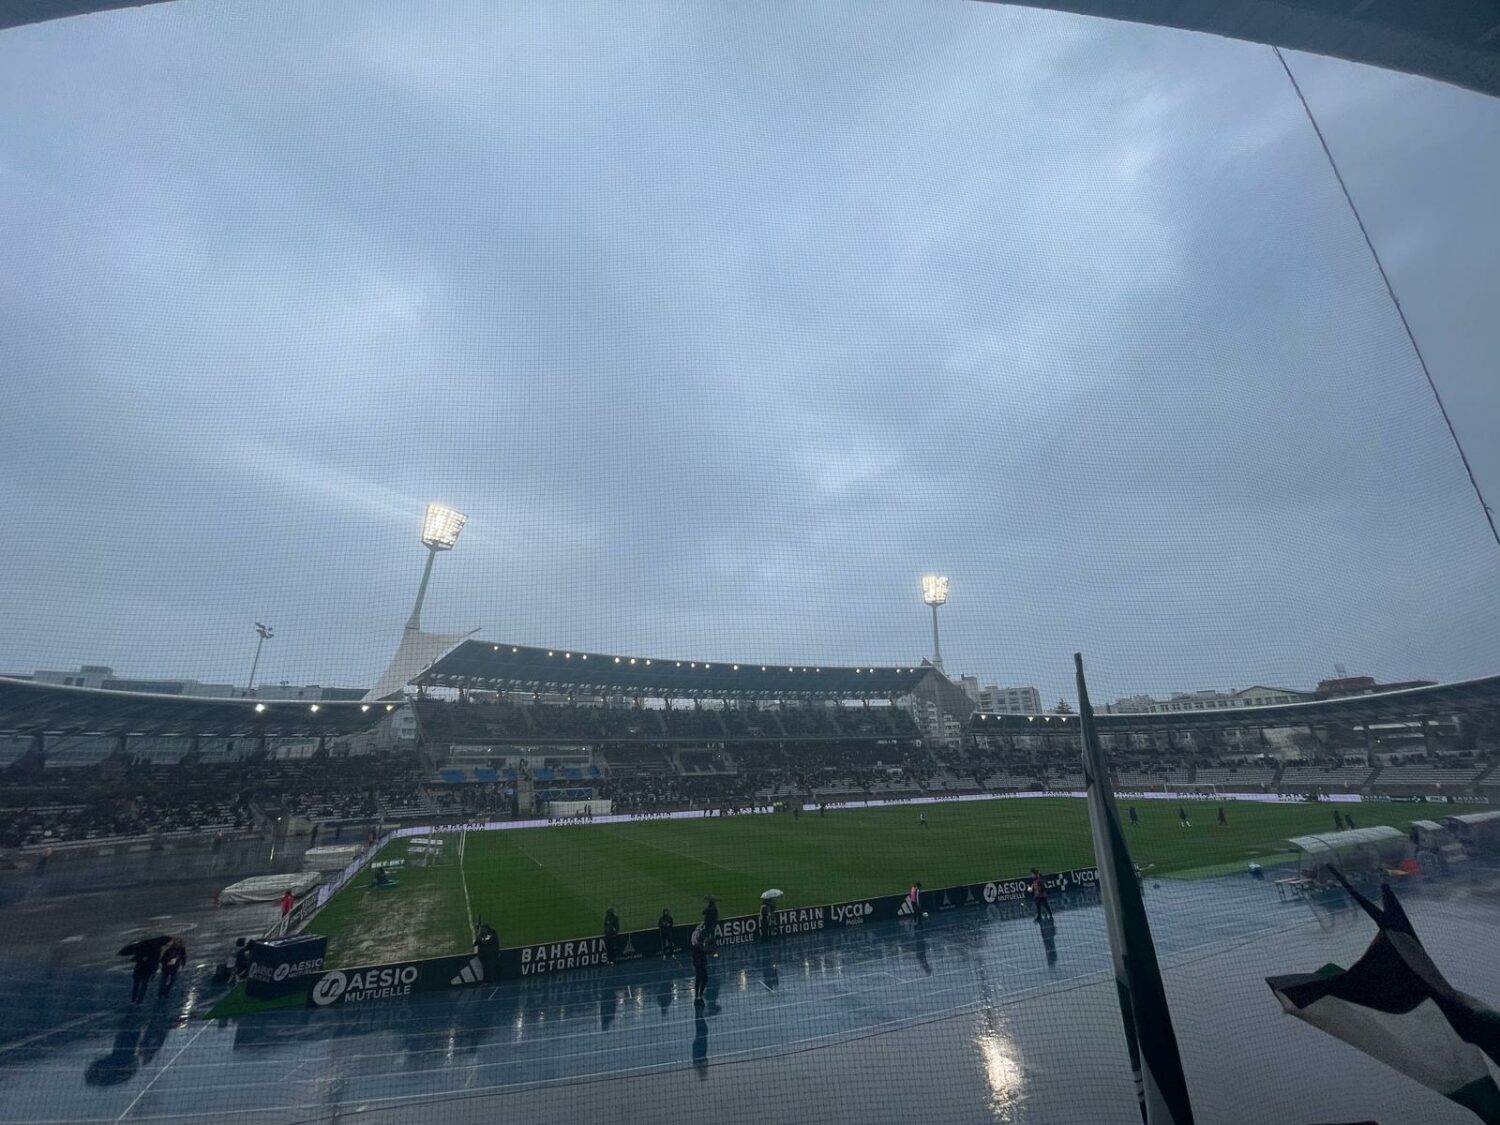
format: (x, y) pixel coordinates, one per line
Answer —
(499, 667)
(31, 708)
(1436, 701)
(1456, 41)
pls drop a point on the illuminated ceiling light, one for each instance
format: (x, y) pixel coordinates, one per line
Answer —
(617, 660)
(259, 707)
(441, 527)
(364, 706)
(695, 664)
(567, 656)
(497, 648)
(632, 660)
(934, 589)
(736, 667)
(762, 667)
(585, 656)
(390, 706)
(550, 653)
(791, 669)
(314, 707)
(648, 664)
(513, 649)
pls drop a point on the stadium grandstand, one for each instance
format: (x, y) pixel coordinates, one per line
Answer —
(505, 730)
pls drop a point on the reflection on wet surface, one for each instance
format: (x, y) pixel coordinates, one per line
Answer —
(982, 1015)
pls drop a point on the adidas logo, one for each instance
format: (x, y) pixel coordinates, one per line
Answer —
(629, 950)
(905, 911)
(472, 973)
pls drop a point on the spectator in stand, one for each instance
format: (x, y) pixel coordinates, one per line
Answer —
(288, 903)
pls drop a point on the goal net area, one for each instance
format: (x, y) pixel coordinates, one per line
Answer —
(579, 808)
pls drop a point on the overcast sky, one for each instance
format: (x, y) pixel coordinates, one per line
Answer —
(724, 323)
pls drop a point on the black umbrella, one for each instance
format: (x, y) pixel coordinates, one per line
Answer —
(143, 945)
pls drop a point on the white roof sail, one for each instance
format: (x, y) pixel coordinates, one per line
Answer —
(417, 652)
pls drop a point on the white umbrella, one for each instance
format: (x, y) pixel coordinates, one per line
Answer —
(773, 893)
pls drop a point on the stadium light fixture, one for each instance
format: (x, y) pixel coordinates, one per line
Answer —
(441, 527)
(259, 708)
(934, 594)
(313, 708)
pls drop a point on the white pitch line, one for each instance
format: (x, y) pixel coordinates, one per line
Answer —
(147, 1087)
(17, 1044)
(463, 839)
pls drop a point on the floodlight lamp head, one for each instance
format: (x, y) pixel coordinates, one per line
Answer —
(441, 527)
(934, 589)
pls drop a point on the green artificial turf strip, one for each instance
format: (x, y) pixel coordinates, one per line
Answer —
(554, 883)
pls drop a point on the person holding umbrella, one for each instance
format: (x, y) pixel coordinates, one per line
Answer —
(768, 913)
(146, 954)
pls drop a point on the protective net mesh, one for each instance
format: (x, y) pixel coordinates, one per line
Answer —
(724, 325)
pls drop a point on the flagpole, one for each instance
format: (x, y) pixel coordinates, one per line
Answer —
(1160, 1084)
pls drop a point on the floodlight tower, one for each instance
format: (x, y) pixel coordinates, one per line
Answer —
(440, 530)
(265, 632)
(935, 593)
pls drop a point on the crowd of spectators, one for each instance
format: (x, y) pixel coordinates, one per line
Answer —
(445, 722)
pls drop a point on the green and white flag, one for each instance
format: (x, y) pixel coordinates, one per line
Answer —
(1394, 1005)
(1160, 1083)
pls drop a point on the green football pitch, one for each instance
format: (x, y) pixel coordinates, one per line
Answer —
(554, 883)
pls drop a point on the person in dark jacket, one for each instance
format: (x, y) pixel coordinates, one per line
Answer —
(241, 957)
(145, 956)
(710, 922)
(611, 934)
(664, 926)
(699, 946)
(487, 948)
(173, 957)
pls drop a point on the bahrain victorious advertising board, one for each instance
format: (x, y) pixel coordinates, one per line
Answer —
(406, 978)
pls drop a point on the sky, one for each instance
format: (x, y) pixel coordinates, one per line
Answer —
(724, 324)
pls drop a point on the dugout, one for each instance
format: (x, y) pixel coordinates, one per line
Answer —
(270, 888)
(1352, 851)
(1437, 846)
(334, 857)
(1477, 832)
